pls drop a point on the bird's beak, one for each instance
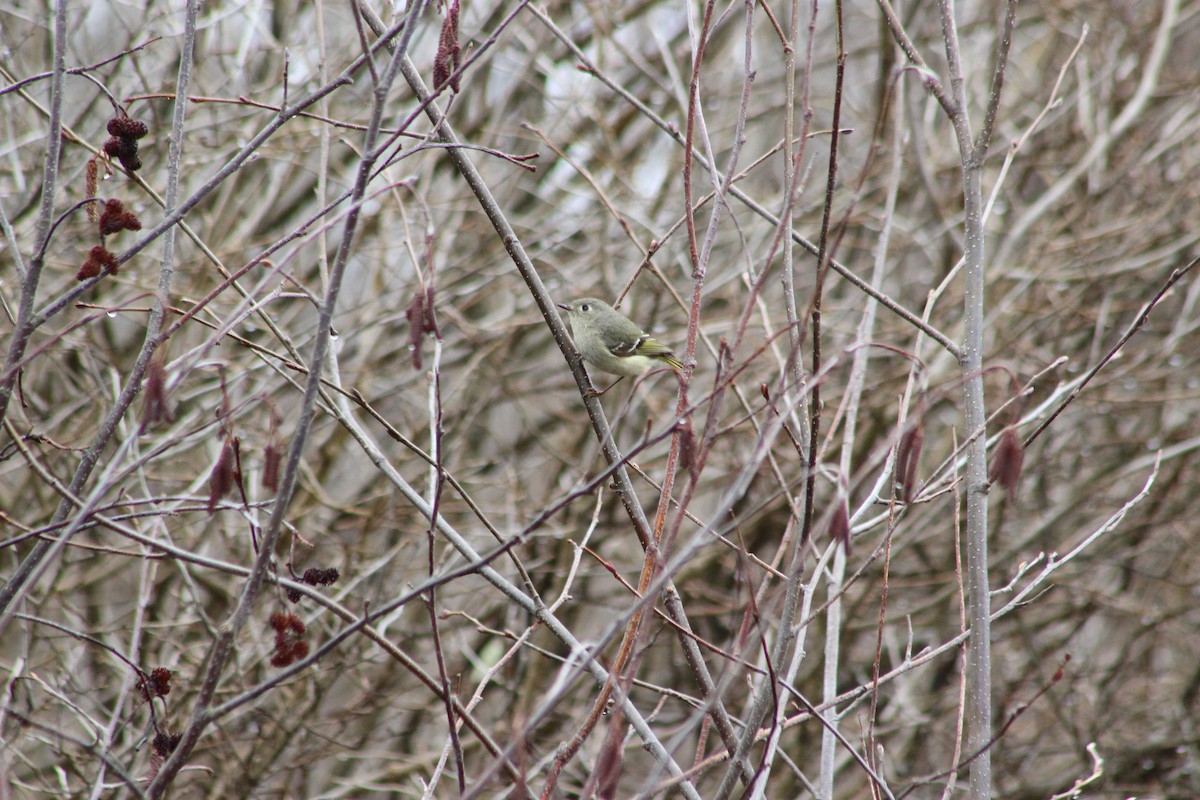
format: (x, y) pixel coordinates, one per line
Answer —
(563, 306)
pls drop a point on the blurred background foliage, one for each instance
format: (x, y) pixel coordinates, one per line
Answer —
(1094, 211)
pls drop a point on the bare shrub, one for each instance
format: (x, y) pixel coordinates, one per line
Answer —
(303, 493)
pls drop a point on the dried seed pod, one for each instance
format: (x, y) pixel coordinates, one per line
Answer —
(121, 147)
(156, 684)
(223, 475)
(155, 408)
(687, 447)
(1007, 463)
(908, 454)
(446, 62)
(98, 260)
(127, 127)
(272, 459)
(839, 526)
(115, 218)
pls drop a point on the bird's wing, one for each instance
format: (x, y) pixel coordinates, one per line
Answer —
(651, 348)
(627, 345)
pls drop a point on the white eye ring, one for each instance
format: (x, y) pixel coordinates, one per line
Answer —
(583, 307)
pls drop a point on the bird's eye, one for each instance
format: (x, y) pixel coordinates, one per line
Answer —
(583, 307)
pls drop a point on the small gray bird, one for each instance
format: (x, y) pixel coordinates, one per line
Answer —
(610, 341)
